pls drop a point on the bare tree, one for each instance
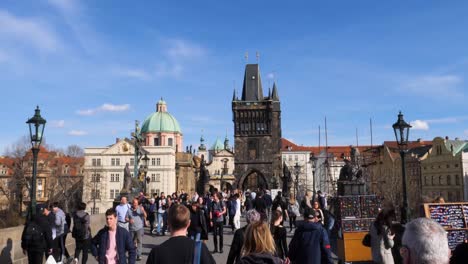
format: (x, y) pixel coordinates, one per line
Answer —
(74, 151)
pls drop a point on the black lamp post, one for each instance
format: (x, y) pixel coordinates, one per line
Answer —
(297, 171)
(401, 129)
(313, 161)
(145, 170)
(36, 131)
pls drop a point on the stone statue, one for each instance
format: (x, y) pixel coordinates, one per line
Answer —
(287, 179)
(127, 179)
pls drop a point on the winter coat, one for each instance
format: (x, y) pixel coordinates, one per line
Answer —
(381, 245)
(310, 245)
(123, 242)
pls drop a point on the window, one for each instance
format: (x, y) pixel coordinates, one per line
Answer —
(157, 191)
(456, 165)
(132, 162)
(98, 162)
(449, 180)
(457, 180)
(153, 177)
(284, 158)
(158, 177)
(112, 162)
(112, 194)
(169, 142)
(95, 177)
(156, 141)
(39, 182)
(95, 210)
(152, 191)
(153, 161)
(158, 162)
(117, 162)
(290, 157)
(39, 193)
(94, 162)
(117, 177)
(112, 178)
(96, 194)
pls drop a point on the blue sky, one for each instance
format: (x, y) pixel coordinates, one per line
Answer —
(96, 66)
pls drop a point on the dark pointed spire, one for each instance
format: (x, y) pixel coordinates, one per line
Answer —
(252, 88)
(269, 93)
(274, 94)
(234, 95)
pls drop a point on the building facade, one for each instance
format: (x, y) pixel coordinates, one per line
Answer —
(257, 134)
(442, 170)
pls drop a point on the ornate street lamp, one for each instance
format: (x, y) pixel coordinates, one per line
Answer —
(145, 160)
(36, 131)
(401, 129)
(297, 171)
(313, 161)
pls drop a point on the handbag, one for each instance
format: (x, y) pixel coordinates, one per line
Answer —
(366, 241)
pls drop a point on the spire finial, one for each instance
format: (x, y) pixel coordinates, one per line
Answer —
(246, 57)
(257, 54)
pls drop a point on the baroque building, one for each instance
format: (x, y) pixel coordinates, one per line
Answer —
(104, 166)
(442, 170)
(257, 133)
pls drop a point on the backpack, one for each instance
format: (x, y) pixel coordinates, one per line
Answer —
(232, 207)
(33, 237)
(79, 227)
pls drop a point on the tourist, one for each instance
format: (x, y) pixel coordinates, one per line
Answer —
(60, 227)
(198, 230)
(258, 245)
(238, 240)
(111, 243)
(152, 211)
(136, 216)
(81, 220)
(382, 237)
(179, 248)
(293, 212)
(279, 234)
(122, 209)
(36, 239)
(218, 209)
(425, 242)
(310, 244)
(316, 207)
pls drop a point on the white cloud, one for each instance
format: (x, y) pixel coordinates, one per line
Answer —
(65, 6)
(133, 73)
(434, 86)
(57, 123)
(271, 76)
(419, 125)
(114, 108)
(34, 32)
(104, 108)
(183, 49)
(77, 133)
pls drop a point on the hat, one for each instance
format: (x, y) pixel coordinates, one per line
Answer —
(40, 208)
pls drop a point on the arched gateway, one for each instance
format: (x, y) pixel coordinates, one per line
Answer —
(253, 180)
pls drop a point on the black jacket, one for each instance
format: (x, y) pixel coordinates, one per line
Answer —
(122, 239)
(236, 246)
(260, 258)
(178, 249)
(46, 243)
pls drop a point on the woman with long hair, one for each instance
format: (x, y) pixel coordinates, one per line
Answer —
(306, 203)
(316, 207)
(293, 212)
(258, 245)
(279, 234)
(382, 237)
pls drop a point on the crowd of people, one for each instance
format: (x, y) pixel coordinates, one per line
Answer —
(191, 218)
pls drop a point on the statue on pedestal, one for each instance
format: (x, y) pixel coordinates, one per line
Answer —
(286, 179)
(203, 174)
(127, 180)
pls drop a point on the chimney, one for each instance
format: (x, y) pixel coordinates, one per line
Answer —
(419, 140)
(117, 140)
(446, 138)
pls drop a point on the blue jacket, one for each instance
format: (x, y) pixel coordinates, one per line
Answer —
(123, 241)
(310, 245)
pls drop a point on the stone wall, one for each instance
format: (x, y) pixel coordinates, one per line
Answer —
(10, 241)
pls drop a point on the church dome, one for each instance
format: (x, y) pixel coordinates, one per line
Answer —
(160, 121)
(218, 145)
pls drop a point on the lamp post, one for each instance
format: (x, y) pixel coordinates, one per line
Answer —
(145, 160)
(401, 129)
(313, 161)
(297, 171)
(36, 131)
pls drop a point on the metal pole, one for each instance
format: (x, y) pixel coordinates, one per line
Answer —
(32, 211)
(405, 210)
(95, 190)
(313, 181)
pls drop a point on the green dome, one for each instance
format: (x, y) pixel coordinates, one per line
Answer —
(160, 122)
(218, 145)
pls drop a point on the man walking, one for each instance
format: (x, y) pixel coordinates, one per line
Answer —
(122, 209)
(310, 242)
(136, 216)
(36, 239)
(112, 242)
(179, 248)
(81, 232)
(161, 213)
(60, 229)
(218, 209)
